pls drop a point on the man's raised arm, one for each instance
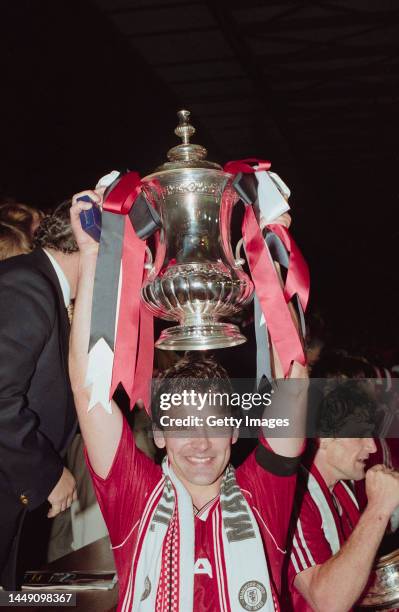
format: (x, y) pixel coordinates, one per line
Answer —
(337, 584)
(101, 431)
(290, 398)
(290, 395)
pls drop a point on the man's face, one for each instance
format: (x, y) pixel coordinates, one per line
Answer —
(346, 457)
(198, 454)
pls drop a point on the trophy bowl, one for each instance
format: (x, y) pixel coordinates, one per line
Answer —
(194, 278)
(383, 587)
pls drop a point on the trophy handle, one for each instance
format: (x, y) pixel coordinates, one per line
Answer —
(239, 261)
(149, 264)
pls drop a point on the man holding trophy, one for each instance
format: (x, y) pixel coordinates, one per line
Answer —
(192, 534)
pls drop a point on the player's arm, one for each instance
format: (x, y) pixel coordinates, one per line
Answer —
(289, 399)
(101, 431)
(338, 583)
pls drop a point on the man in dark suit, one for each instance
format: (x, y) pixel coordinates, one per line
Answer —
(37, 414)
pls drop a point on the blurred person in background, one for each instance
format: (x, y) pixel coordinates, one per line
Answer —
(22, 216)
(13, 242)
(37, 414)
(336, 366)
(315, 338)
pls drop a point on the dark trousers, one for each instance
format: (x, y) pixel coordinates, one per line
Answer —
(23, 545)
(10, 532)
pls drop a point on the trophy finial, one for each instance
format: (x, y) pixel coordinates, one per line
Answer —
(187, 154)
(184, 130)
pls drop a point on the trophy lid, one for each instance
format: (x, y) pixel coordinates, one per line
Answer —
(186, 154)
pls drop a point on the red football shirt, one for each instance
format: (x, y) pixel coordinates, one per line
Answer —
(310, 545)
(267, 480)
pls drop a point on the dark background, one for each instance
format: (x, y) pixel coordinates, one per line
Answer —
(88, 86)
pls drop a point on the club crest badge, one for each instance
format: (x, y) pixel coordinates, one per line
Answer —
(252, 595)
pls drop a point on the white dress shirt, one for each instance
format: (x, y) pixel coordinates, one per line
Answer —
(65, 288)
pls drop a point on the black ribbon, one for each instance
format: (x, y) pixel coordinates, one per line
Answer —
(105, 296)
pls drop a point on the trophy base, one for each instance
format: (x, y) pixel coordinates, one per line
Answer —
(200, 337)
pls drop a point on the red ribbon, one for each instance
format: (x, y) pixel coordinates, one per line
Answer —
(145, 360)
(134, 345)
(121, 197)
(272, 299)
(281, 327)
(244, 165)
(298, 278)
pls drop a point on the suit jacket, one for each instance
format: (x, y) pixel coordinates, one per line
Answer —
(37, 414)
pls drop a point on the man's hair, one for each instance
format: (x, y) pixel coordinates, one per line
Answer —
(55, 231)
(12, 241)
(348, 403)
(197, 372)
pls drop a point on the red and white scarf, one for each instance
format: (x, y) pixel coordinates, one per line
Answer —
(162, 572)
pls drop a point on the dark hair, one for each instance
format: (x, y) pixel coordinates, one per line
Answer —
(347, 403)
(55, 231)
(195, 371)
(12, 241)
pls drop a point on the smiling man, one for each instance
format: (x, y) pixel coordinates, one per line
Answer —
(193, 534)
(334, 546)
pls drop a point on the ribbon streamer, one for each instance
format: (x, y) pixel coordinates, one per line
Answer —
(122, 196)
(106, 281)
(298, 278)
(282, 330)
(135, 325)
(244, 165)
(280, 255)
(145, 359)
(271, 300)
(121, 328)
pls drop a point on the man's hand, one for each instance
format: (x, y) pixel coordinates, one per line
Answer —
(292, 388)
(85, 242)
(284, 220)
(382, 489)
(63, 494)
(297, 381)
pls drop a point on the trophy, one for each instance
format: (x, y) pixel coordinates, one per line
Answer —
(383, 588)
(194, 277)
(165, 250)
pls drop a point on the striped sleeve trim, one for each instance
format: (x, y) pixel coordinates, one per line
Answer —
(301, 555)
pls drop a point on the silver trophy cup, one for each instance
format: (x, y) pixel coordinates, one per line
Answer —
(194, 277)
(383, 587)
